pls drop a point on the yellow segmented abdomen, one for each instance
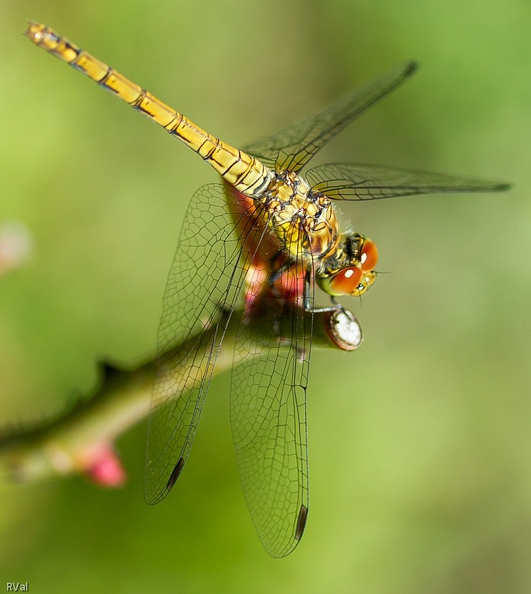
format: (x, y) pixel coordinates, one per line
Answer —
(244, 172)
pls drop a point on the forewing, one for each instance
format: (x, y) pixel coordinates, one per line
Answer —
(203, 286)
(268, 418)
(292, 148)
(346, 181)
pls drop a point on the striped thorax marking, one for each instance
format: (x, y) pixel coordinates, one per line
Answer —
(304, 222)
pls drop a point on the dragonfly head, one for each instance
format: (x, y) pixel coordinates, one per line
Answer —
(349, 268)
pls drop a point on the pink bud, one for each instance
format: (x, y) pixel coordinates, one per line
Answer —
(105, 468)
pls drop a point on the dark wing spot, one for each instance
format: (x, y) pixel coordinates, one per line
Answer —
(301, 522)
(175, 474)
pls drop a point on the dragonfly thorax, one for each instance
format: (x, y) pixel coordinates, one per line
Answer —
(349, 268)
(304, 222)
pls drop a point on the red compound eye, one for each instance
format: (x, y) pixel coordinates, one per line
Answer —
(346, 281)
(369, 255)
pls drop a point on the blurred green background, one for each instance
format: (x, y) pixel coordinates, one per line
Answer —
(420, 442)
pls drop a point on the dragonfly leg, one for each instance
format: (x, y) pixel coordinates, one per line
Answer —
(308, 303)
(290, 264)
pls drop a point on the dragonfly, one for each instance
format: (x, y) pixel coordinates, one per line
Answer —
(261, 245)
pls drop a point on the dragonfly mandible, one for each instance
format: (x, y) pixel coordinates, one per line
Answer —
(266, 236)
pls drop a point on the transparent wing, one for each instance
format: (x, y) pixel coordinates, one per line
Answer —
(268, 415)
(346, 181)
(292, 148)
(205, 280)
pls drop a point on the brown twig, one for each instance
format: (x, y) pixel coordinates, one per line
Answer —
(80, 440)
